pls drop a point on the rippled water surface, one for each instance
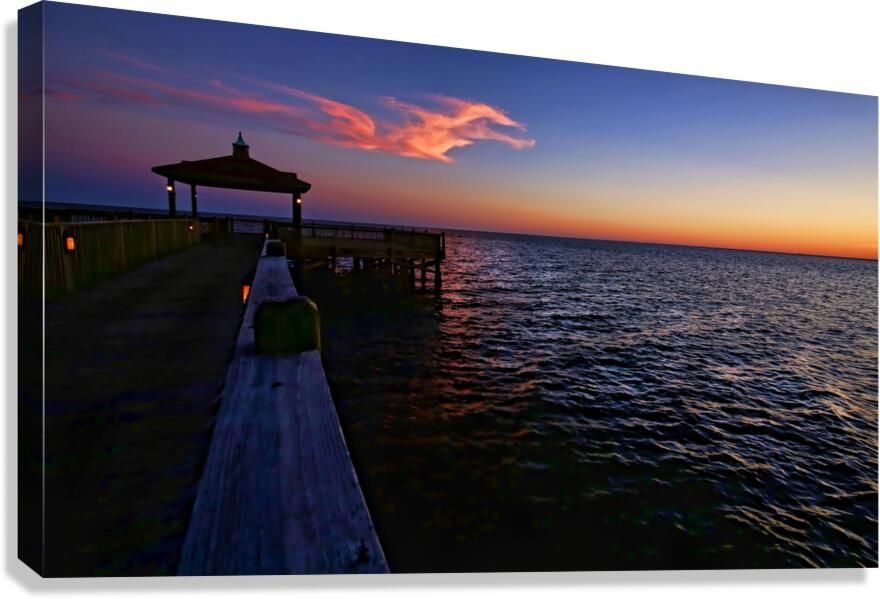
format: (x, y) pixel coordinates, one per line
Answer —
(573, 404)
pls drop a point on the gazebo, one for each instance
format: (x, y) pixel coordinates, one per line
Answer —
(238, 171)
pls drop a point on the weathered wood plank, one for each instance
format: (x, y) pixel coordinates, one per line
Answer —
(279, 494)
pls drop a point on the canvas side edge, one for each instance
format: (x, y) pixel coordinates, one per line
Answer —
(30, 421)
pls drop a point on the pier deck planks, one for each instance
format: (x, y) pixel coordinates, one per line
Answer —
(134, 366)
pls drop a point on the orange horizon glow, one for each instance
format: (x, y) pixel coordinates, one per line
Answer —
(813, 229)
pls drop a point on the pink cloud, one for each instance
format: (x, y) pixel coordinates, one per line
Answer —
(425, 133)
(146, 91)
(428, 133)
(431, 134)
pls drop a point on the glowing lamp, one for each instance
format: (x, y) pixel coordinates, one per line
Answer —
(169, 188)
(245, 292)
(69, 242)
(20, 238)
(190, 227)
(299, 200)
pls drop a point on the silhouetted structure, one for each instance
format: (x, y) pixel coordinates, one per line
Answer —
(404, 252)
(237, 171)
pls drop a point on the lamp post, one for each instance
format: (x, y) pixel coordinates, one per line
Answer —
(172, 198)
(297, 210)
(194, 198)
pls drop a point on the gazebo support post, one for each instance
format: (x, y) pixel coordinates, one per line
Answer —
(172, 199)
(194, 200)
(297, 211)
(297, 225)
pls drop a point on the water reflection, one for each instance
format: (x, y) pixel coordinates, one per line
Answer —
(584, 405)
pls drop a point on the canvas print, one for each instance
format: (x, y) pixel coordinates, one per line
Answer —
(298, 303)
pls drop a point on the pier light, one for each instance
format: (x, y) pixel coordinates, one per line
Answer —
(169, 188)
(299, 200)
(69, 242)
(20, 238)
(190, 227)
(245, 292)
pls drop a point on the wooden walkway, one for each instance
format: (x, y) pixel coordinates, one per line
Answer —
(134, 368)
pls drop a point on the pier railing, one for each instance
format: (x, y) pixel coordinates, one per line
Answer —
(314, 240)
(80, 254)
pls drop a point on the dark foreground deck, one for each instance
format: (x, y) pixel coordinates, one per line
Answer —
(134, 368)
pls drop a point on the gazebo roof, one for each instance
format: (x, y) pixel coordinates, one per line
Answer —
(238, 171)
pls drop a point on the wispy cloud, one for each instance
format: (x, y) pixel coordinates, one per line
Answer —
(131, 60)
(428, 132)
(37, 94)
(432, 133)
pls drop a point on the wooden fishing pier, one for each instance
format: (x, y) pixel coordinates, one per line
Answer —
(188, 425)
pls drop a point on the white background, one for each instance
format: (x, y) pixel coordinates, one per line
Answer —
(831, 45)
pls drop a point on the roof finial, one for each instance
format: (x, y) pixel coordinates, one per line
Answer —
(239, 148)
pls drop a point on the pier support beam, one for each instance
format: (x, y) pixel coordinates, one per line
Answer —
(438, 278)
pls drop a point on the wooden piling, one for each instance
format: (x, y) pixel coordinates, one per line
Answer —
(438, 280)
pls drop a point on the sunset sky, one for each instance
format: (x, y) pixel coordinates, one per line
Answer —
(418, 135)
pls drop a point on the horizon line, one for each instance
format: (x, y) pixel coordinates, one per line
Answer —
(109, 207)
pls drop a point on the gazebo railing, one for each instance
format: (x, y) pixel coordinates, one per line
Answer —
(344, 232)
(351, 239)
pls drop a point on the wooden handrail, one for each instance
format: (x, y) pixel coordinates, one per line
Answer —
(279, 493)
